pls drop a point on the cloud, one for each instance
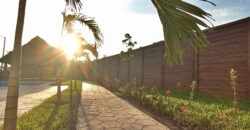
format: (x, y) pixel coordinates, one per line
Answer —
(226, 14)
(141, 6)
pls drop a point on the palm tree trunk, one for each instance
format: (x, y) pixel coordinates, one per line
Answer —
(59, 81)
(75, 76)
(10, 118)
(59, 76)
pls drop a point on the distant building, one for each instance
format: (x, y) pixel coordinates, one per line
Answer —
(39, 60)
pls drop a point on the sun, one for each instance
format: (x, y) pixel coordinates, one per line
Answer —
(69, 45)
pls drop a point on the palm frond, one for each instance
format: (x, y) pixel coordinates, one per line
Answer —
(69, 21)
(86, 56)
(91, 48)
(85, 20)
(181, 20)
(74, 5)
(93, 26)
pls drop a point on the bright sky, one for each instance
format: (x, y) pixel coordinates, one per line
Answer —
(115, 18)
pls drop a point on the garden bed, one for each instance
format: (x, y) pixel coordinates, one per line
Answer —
(186, 110)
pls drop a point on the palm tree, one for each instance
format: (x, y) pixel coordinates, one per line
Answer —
(84, 51)
(70, 19)
(181, 20)
(10, 118)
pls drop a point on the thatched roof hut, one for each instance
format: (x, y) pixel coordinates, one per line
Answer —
(39, 59)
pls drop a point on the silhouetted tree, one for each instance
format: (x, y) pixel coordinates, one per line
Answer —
(128, 41)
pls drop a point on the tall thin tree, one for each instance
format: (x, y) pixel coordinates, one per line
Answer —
(72, 18)
(10, 118)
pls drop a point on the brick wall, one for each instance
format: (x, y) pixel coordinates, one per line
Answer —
(136, 62)
(229, 48)
(153, 65)
(181, 76)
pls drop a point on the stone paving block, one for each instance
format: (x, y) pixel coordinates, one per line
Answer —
(102, 110)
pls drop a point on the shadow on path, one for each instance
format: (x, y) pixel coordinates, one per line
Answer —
(86, 120)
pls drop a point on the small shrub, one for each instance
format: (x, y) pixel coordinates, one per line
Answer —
(128, 90)
(233, 78)
(193, 85)
(106, 82)
(133, 82)
(114, 84)
(140, 95)
(166, 95)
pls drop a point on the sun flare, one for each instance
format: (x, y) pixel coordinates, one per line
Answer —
(69, 45)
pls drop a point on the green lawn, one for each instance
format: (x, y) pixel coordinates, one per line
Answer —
(203, 112)
(50, 116)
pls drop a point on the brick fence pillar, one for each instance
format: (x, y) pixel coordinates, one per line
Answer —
(142, 67)
(118, 66)
(248, 44)
(163, 67)
(196, 70)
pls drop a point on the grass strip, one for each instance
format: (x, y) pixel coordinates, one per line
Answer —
(50, 116)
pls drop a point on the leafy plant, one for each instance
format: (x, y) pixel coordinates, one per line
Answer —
(129, 44)
(140, 95)
(204, 112)
(114, 84)
(133, 82)
(106, 82)
(193, 85)
(233, 78)
(128, 41)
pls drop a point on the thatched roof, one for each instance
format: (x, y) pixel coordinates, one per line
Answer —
(38, 52)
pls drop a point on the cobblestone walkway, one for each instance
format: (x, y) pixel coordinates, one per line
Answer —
(101, 110)
(30, 96)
